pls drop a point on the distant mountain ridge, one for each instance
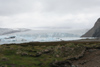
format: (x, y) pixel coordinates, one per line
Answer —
(94, 31)
(4, 31)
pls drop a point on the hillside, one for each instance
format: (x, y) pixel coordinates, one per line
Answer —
(51, 54)
(94, 31)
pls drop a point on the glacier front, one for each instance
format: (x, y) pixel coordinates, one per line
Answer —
(42, 36)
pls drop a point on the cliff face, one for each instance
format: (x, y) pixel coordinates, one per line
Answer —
(95, 31)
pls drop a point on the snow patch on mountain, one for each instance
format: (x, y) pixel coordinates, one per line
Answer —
(4, 31)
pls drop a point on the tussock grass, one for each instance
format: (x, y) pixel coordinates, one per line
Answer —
(41, 54)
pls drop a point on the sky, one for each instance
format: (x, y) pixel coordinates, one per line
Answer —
(49, 13)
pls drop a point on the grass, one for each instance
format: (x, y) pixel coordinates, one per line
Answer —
(41, 54)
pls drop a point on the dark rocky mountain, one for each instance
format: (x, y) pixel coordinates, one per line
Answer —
(94, 31)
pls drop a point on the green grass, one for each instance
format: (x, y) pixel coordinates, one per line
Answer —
(41, 54)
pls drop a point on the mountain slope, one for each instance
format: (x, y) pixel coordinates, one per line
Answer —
(4, 31)
(95, 31)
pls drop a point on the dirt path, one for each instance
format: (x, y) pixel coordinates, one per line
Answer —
(91, 58)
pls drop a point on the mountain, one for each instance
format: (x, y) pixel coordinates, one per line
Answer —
(94, 31)
(4, 31)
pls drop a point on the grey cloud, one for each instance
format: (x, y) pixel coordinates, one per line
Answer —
(70, 6)
(43, 13)
(9, 7)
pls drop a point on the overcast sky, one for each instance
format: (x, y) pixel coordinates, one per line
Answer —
(49, 13)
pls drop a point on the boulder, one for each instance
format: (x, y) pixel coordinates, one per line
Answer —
(60, 64)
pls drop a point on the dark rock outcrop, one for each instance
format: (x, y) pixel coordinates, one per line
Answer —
(60, 64)
(95, 31)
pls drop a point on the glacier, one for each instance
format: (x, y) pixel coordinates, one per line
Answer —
(42, 36)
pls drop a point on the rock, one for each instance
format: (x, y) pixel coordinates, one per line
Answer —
(60, 64)
(4, 59)
(57, 55)
(95, 31)
(73, 66)
(47, 51)
(24, 54)
(38, 54)
(84, 62)
(3, 66)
